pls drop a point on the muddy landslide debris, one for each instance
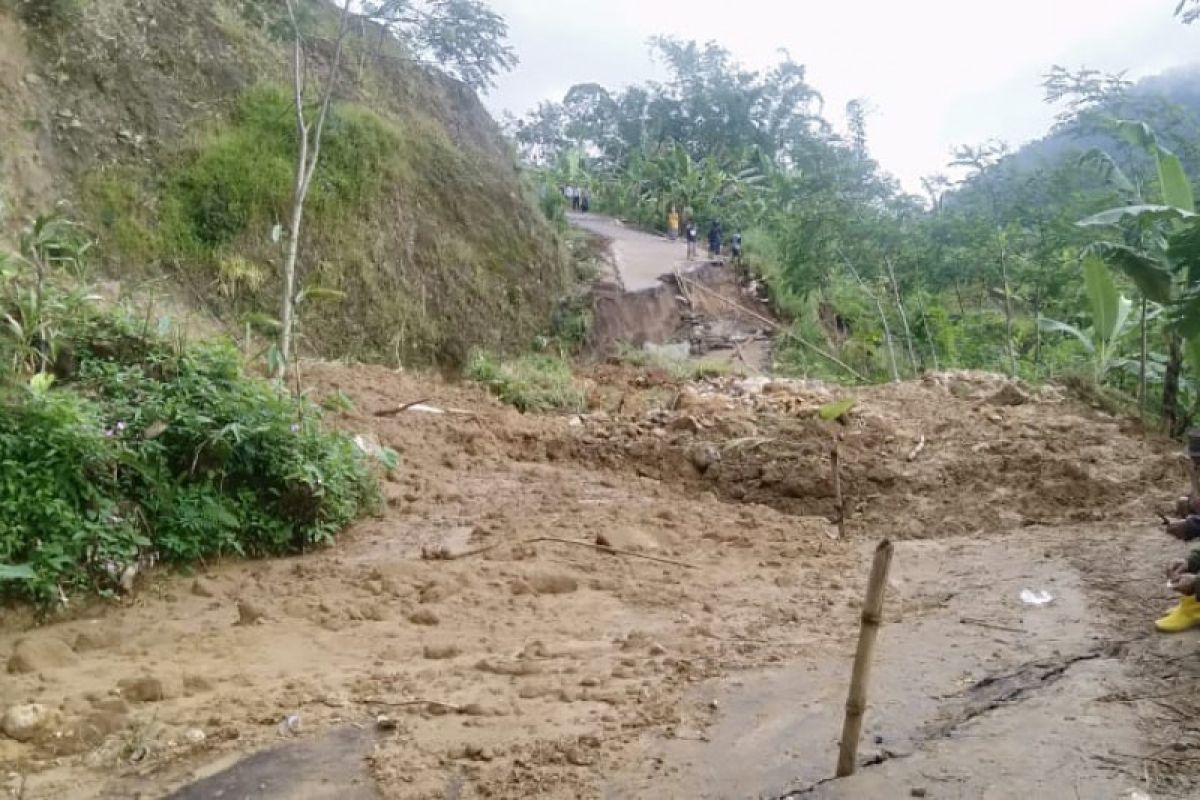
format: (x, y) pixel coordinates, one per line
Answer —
(35, 655)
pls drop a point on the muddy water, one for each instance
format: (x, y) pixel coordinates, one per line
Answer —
(958, 710)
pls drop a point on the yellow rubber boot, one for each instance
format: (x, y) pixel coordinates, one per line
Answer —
(1182, 617)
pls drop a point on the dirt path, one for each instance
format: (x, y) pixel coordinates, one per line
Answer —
(641, 258)
(558, 671)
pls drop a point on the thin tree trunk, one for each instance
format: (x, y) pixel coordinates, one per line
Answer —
(1170, 402)
(928, 333)
(1142, 366)
(308, 154)
(41, 342)
(887, 329)
(1008, 315)
(912, 354)
(1037, 329)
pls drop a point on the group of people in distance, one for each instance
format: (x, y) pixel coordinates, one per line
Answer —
(580, 198)
(715, 236)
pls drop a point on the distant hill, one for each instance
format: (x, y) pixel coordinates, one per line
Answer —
(1169, 103)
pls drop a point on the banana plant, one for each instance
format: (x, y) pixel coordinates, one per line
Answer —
(1111, 319)
(1159, 251)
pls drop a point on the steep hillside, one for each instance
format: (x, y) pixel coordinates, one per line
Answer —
(166, 124)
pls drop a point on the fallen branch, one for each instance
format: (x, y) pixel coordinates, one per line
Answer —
(393, 412)
(375, 701)
(979, 623)
(775, 326)
(916, 451)
(683, 288)
(590, 545)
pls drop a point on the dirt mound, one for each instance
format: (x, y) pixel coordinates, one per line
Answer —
(955, 453)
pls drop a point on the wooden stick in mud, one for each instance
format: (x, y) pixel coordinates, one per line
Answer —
(599, 547)
(872, 617)
(835, 458)
(775, 326)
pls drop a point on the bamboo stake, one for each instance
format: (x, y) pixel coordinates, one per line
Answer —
(835, 458)
(872, 617)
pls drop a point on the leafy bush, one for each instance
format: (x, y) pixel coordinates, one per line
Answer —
(529, 383)
(146, 449)
(681, 369)
(49, 14)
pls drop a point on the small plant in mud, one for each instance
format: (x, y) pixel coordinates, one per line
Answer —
(681, 369)
(146, 449)
(529, 383)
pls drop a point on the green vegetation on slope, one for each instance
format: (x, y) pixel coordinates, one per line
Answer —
(140, 445)
(422, 238)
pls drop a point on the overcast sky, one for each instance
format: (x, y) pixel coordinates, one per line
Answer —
(936, 72)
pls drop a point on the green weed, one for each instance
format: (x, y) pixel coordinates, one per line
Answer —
(529, 383)
(145, 446)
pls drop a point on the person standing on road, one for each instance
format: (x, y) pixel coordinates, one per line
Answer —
(585, 200)
(692, 235)
(735, 247)
(714, 238)
(673, 224)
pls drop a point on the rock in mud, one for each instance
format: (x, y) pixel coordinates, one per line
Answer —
(202, 588)
(634, 539)
(97, 639)
(1009, 395)
(29, 722)
(704, 456)
(148, 689)
(552, 583)
(35, 655)
(95, 727)
(442, 651)
(423, 616)
(196, 684)
(249, 614)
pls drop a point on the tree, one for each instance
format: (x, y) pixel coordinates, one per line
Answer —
(308, 153)
(465, 38)
(985, 161)
(1160, 252)
(1110, 319)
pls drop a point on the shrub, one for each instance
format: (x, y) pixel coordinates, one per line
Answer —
(48, 14)
(149, 449)
(240, 178)
(529, 383)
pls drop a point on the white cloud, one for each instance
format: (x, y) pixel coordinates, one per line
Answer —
(937, 72)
